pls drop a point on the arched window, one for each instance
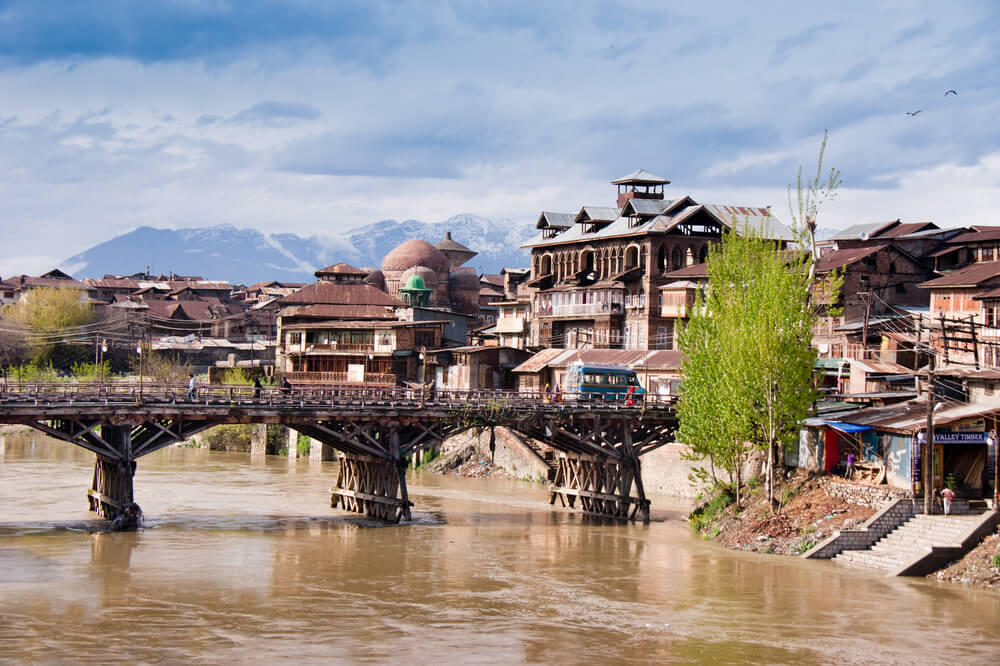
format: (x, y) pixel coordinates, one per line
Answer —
(677, 258)
(703, 254)
(631, 257)
(661, 259)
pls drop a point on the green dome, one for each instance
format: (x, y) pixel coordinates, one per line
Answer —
(415, 283)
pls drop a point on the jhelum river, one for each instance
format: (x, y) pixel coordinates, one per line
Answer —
(243, 561)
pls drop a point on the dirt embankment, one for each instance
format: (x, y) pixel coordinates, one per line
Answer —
(979, 568)
(807, 516)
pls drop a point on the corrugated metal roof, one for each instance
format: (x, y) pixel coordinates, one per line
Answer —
(335, 293)
(984, 235)
(857, 230)
(880, 367)
(644, 207)
(641, 177)
(676, 212)
(337, 311)
(907, 228)
(693, 271)
(597, 214)
(970, 276)
(340, 269)
(554, 220)
(912, 416)
(653, 360)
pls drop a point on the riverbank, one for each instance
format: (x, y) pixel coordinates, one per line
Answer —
(809, 514)
(980, 568)
(815, 507)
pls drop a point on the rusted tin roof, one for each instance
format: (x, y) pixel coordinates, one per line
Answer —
(970, 276)
(337, 293)
(654, 360)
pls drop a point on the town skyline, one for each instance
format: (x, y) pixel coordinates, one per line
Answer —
(315, 120)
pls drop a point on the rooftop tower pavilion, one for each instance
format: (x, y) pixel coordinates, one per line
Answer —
(640, 184)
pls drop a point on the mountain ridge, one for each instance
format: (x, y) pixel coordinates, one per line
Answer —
(247, 255)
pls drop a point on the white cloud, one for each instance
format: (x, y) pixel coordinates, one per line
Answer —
(502, 113)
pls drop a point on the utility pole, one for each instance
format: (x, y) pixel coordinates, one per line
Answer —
(864, 330)
(926, 456)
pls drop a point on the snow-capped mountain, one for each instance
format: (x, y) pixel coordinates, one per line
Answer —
(245, 256)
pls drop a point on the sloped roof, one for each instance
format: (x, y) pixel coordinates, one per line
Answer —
(597, 214)
(451, 245)
(675, 212)
(693, 271)
(111, 283)
(548, 220)
(644, 207)
(840, 258)
(340, 269)
(333, 311)
(21, 281)
(970, 276)
(972, 237)
(336, 293)
(868, 228)
(654, 360)
(640, 177)
(907, 228)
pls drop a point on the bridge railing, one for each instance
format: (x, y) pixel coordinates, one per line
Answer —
(311, 396)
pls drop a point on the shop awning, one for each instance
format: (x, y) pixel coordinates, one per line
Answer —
(847, 427)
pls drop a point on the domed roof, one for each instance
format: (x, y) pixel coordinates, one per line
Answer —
(375, 278)
(415, 283)
(426, 274)
(464, 279)
(415, 252)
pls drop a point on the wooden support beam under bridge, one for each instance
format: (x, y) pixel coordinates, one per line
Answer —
(599, 445)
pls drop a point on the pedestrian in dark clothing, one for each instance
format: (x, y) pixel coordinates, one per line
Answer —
(256, 388)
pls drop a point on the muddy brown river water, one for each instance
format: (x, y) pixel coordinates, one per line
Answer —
(243, 561)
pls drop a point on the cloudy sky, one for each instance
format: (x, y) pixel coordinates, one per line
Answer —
(313, 117)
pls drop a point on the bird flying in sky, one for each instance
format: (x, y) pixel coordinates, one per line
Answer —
(913, 113)
(950, 92)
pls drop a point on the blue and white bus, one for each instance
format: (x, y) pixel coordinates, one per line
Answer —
(613, 383)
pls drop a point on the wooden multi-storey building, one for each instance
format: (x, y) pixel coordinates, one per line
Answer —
(596, 274)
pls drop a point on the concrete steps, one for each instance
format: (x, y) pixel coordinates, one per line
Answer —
(910, 541)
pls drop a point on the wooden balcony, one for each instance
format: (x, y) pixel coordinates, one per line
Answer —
(341, 378)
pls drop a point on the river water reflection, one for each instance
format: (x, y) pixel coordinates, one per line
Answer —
(243, 561)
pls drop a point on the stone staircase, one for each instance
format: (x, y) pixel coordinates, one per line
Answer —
(911, 541)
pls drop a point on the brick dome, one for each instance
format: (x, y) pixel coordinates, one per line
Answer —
(415, 252)
(428, 276)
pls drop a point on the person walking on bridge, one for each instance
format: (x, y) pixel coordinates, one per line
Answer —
(192, 385)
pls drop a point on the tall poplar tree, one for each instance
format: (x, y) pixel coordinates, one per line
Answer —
(748, 359)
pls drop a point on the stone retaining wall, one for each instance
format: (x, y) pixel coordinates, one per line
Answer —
(876, 527)
(860, 494)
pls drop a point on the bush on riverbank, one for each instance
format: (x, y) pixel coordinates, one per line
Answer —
(229, 438)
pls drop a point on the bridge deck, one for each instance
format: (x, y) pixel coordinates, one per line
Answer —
(244, 405)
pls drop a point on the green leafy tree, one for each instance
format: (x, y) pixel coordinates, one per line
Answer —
(748, 359)
(51, 316)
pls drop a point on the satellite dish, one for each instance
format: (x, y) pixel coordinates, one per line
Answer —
(864, 235)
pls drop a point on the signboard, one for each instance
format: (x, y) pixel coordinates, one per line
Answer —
(959, 437)
(972, 425)
(356, 373)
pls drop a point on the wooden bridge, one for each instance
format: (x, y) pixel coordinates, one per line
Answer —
(375, 429)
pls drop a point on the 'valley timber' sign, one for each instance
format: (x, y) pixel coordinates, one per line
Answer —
(959, 437)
